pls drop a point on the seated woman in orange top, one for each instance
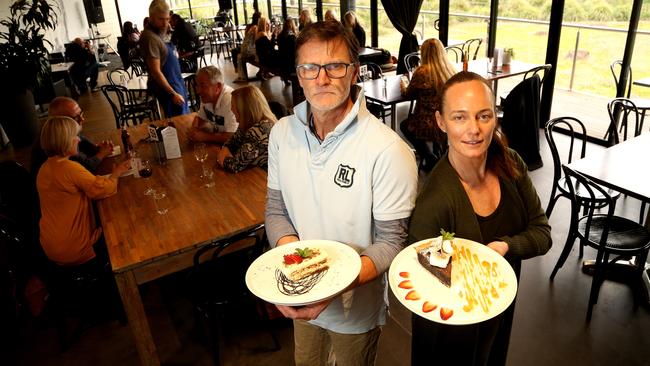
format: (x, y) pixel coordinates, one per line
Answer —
(66, 190)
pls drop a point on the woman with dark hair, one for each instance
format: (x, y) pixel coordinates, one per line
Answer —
(249, 145)
(425, 85)
(130, 34)
(482, 192)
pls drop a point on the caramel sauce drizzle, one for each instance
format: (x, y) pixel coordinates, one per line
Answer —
(480, 279)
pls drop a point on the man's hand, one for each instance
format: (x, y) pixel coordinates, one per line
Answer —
(500, 247)
(105, 149)
(309, 312)
(198, 135)
(178, 99)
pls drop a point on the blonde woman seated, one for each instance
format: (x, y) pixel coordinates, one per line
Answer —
(425, 86)
(249, 145)
(66, 190)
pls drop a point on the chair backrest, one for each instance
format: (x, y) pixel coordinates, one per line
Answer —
(540, 71)
(456, 52)
(138, 66)
(622, 112)
(597, 198)
(618, 64)
(577, 142)
(412, 61)
(118, 76)
(471, 47)
(373, 69)
(231, 256)
(113, 93)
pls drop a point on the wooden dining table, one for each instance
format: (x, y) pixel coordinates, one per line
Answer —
(618, 168)
(144, 245)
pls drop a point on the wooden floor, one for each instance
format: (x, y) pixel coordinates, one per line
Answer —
(549, 325)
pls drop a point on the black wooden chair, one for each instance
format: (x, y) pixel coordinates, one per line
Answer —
(575, 130)
(217, 284)
(412, 61)
(622, 114)
(471, 47)
(456, 52)
(610, 235)
(127, 106)
(642, 104)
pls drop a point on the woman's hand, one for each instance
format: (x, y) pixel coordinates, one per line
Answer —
(105, 149)
(500, 247)
(222, 155)
(121, 168)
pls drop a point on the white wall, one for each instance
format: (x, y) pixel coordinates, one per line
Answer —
(72, 21)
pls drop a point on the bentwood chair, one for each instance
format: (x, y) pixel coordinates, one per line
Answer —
(642, 104)
(456, 52)
(471, 47)
(193, 100)
(412, 61)
(610, 235)
(127, 107)
(622, 114)
(217, 284)
(575, 130)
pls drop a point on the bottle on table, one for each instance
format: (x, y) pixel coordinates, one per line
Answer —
(126, 140)
(465, 63)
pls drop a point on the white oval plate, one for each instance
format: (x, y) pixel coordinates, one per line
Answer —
(429, 289)
(344, 267)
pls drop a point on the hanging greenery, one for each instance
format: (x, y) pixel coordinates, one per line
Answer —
(23, 51)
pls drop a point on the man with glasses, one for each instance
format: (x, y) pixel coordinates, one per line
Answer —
(337, 173)
(90, 155)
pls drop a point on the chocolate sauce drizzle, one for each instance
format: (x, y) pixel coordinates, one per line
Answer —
(292, 288)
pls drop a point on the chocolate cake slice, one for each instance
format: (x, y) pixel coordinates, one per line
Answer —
(442, 274)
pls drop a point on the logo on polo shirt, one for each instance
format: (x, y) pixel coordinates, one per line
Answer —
(344, 176)
(214, 118)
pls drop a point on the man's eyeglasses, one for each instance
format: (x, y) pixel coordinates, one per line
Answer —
(79, 117)
(335, 70)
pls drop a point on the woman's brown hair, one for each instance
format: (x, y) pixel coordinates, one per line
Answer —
(499, 159)
(251, 106)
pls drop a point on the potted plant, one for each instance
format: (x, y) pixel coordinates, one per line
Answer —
(508, 55)
(24, 65)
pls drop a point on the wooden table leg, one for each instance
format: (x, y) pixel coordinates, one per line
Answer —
(137, 318)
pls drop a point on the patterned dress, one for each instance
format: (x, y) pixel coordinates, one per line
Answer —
(422, 123)
(249, 148)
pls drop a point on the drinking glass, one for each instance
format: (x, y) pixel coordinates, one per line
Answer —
(145, 171)
(161, 201)
(201, 154)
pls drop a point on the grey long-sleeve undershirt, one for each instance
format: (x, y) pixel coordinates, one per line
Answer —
(390, 236)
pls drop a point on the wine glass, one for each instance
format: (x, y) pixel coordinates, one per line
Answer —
(201, 154)
(145, 171)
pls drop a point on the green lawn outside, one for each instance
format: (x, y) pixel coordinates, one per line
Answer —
(597, 49)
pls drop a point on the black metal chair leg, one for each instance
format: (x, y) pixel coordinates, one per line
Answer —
(551, 203)
(595, 283)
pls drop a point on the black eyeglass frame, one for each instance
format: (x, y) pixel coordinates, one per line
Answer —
(320, 67)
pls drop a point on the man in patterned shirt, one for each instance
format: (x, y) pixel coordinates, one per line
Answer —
(215, 121)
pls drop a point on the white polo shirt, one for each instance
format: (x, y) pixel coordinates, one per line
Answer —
(219, 115)
(333, 190)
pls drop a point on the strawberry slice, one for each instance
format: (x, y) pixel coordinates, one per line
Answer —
(412, 295)
(292, 259)
(406, 284)
(428, 307)
(404, 274)
(446, 313)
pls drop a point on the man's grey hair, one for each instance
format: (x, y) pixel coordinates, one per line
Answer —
(214, 74)
(158, 7)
